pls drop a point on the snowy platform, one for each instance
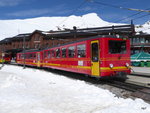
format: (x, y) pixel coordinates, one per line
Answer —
(144, 81)
(143, 77)
(140, 70)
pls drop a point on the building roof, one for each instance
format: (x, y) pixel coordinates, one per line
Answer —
(123, 29)
(6, 40)
(75, 33)
(142, 56)
(21, 36)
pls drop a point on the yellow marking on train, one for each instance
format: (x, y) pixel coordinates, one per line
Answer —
(103, 69)
(2, 60)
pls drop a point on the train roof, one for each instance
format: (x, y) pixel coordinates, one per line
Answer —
(31, 50)
(89, 38)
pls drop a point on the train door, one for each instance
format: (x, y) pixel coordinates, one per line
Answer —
(95, 70)
(38, 59)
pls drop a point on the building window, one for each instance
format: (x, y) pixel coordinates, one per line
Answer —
(147, 40)
(142, 40)
(37, 46)
(37, 38)
(71, 51)
(81, 49)
(46, 45)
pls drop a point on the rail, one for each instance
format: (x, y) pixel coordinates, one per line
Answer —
(138, 90)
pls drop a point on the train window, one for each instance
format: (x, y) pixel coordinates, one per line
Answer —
(45, 54)
(117, 47)
(81, 49)
(57, 53)
(71, 51)
(95, 56)
(26, 56)
(21, 56)
(48, 54)
(34, 55)
(64, 50)
(31, 56)
(53, 53)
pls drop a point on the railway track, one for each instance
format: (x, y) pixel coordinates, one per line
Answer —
(136, 89)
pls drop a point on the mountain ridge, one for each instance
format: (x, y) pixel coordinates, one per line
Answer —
(10, 28)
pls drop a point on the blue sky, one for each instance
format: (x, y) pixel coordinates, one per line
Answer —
(22, 9)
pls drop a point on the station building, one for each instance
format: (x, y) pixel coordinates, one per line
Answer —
(140, 43)
(46, 39)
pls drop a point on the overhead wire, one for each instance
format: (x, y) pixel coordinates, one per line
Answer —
(74, 11)
(115, 6)
(120, 7)
(141, 16)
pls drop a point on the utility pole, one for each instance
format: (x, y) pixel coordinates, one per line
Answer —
(24, 57)
(3, 60)
(3, 54)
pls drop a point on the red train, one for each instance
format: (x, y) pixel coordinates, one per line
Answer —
(99, 56)
(5, 58)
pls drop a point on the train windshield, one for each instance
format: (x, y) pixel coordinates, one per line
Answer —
(117, 47)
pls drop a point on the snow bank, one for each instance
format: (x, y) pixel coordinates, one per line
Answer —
(35, 91)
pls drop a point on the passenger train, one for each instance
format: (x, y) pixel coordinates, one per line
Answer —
(99, 56)
(5, 58)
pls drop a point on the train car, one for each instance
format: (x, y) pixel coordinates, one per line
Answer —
(5, 58)
(100, 56)
(30, 58)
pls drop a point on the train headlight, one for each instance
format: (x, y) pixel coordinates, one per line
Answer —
(127, 65)
(111, 65)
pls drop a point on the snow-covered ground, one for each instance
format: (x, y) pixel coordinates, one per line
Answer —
(35, 91)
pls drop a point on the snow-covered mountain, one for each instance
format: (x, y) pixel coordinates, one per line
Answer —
(145, 28)
(11, 28)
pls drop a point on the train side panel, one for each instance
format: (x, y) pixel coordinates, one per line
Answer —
(76, 59)
(31, 58)
(5, 58)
